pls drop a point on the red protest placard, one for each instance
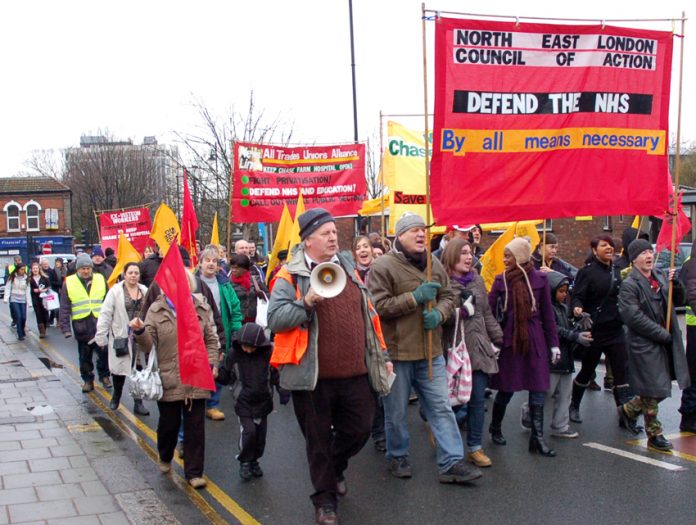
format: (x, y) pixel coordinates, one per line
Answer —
(133, 222)
(267, 177)
(541, 120)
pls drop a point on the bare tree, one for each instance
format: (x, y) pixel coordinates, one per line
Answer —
(209, 150)
(44, 163)
(687, 165)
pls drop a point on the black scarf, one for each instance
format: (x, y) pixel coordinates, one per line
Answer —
(419, 260)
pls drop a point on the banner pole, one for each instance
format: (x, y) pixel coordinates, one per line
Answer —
(96, 220)
(428, 214)
(382, 230)
(543, 249)
(677, 169)
(229, 204)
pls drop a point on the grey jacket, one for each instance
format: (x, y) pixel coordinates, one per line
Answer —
(480, 330)
(652, 351)
(285, 312)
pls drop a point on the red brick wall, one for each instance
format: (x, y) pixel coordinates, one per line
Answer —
(51, 201)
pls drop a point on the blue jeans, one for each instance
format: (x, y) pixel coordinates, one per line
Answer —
(477, 410)
(19, 315)
(432, 395)
(214, 400)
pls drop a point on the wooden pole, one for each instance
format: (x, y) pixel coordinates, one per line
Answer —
(229, 205)
(382, 231)
(428, 214)
(677, 168)
(543, 247)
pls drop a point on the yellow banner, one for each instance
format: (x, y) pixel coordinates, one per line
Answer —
(165, 228)
(403, 166)
(462, 141)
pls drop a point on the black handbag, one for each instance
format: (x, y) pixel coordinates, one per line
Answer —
(500, 313)
(121, 346)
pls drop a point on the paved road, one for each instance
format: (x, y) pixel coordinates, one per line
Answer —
(589, 482)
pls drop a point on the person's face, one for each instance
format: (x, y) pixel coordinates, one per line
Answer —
(58, 263)
(237, 271)
(35, 269)
(22, 271)
(476, 234)
(251, 247)
(466, 258)
(132, 275)
(97, 259)
(85, 272)
(322, 244)
(509, 260)
(209, 267)
(645, 261)
(561, 293)
(148, 251)
(550, 251)
(604, 252)
(456, 234)
(45, 265)
(17, 259)
(377, 252)
(363, 253)
(223, 254)
(241, 248)
(248, 349)
(413, 240)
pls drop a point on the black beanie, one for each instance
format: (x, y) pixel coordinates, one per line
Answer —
(311, 220)
(637, 247)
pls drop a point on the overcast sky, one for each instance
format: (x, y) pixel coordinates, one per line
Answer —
(73, 67)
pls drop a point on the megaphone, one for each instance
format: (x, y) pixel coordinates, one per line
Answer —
(327, 279)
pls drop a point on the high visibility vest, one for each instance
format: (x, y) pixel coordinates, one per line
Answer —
(81, 303)
(689, 316)
(289, 347)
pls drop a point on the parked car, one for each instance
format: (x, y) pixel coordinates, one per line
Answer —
(67, 257)
(664, 258)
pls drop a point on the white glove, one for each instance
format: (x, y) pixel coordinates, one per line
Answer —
(555, 354)
(496, 351)
(469, 305)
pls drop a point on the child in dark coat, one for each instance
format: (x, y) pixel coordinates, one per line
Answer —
(561, 380)
(248, 364)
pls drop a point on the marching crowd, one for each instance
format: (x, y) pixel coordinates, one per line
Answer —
(405, 326)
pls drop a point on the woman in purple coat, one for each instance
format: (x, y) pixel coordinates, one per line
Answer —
(521, 300)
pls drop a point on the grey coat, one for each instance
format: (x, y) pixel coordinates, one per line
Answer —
(479, 330)
(285, 312)
(655, 356)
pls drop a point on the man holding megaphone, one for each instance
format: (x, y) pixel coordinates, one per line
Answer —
(330, 352)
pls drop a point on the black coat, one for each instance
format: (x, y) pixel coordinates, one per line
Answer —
(655, 356)
(567, 335)
(149, 268)
(36, 300)
(596, 291)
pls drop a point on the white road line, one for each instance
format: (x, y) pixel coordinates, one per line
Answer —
(631, 455)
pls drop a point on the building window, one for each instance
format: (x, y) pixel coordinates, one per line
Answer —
(31, 209)
(11, 210)
(51, 215)
(607, 223)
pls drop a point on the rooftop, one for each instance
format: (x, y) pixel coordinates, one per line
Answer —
(13, 185)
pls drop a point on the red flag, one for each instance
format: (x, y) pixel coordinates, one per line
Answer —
(194, 366)
(664, 239)
(189, 224)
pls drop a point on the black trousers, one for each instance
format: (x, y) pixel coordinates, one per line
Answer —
(170, 415)
(688, 400)
(252, 438)
(617, 355)
(335, 419)
(85, 352)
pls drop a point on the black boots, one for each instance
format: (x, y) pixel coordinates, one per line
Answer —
(622, 394)
(688, 423)
(574, 410)
(115, 398)
(536, 440)
(496, 422)
(139, 408)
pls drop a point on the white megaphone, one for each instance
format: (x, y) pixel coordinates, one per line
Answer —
(327, 279)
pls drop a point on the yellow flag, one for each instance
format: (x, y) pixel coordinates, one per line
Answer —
(281, 241)
(125, 253)
(295, 232)
(165, 228)
(492, 260)
(636, 222)
(214, 235)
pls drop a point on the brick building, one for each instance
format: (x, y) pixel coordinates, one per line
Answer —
(37, 211)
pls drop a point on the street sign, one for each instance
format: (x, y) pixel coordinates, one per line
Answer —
(46, 248)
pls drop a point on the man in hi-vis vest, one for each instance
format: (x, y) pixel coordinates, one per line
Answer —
(323, 349)
(81, 299)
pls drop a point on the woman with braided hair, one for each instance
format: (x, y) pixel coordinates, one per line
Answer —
(521, 301)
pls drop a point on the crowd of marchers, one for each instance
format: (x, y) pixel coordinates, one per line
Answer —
(409, 325)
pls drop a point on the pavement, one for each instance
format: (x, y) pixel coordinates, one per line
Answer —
(57, 464)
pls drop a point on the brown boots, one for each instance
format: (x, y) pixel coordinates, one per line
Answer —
(42, 331)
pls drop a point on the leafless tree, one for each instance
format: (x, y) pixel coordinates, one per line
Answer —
(209, 153)
(44, 163)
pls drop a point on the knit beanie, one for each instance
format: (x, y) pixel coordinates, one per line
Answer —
(311, 220)
(520, 249)
(637, 247)
(97, 251)
(407, 221)
(83, 260)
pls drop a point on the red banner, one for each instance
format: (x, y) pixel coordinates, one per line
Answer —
(267, 177)
(133, 222)
(540, 120)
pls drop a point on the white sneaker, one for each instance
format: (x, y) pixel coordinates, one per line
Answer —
(568, 434)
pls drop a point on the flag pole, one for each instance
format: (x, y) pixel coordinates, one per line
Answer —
(677, 169)
(428, 214)
(229, 205)
(382, 231)
(543, 249)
